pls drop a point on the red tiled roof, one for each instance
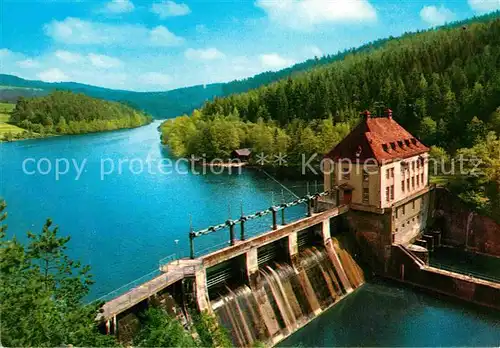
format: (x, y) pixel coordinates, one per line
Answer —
(380, 138)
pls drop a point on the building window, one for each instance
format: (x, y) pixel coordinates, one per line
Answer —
(392, 192)
(413, 205)
(418, 180)
(397, 210)
(413, 165)
(387, 173)
(403, 209)
(418, 164)
(422, 178)
(403, 186)
(392, 172)
(366, 195)
(408, 184)
(413, 183)
(346, 174)
(387, 194)
(366, 176)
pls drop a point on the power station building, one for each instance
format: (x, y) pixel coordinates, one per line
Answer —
(381, 167)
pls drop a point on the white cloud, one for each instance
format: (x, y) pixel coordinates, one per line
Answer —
(161, 36)
(4, 52)
(315, 50)
(75, 31)
(28, 63)
(52, 75)
(274, 61)
(68, 57)
(119, 6)
(304, 14)
(155, 79)
(483, 6)
(436, 16)
(103, 61)
(210, 53)
(169, 8)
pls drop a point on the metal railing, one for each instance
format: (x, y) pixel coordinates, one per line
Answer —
(164, 262)
(128, 287)
(471, 274)
(309, 199)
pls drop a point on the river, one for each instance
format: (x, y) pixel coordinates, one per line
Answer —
(122, 220)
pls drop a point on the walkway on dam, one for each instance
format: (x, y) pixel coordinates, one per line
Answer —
(176, 270)
(172, 273)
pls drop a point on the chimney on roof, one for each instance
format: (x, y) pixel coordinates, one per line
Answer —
(388, 113)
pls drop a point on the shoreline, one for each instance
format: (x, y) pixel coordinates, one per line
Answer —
(222, 164)
(284, 172)
(51, 135)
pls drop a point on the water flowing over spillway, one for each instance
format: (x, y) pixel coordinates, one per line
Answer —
(287, 296)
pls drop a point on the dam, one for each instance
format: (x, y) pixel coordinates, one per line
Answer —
(383, 217)
(263, 288)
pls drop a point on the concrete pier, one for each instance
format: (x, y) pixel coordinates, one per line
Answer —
(196, 268)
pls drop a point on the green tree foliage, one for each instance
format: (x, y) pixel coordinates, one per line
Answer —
(161, 330)
(210, 333)
(218, 136)
(482, 188)
(495, 121)
(434, 81)
(63, 112)
(41, 293)
(428, 130)
(443, 85)
(439, 154)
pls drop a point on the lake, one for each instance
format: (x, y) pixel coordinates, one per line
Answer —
(123, 221)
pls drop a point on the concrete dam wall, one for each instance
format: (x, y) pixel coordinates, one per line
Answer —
(285, 296)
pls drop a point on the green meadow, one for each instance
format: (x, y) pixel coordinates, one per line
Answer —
(7, 130)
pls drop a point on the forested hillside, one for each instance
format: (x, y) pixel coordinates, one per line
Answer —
(64, 112)
(442, 85)
(169, 103)
(449, 75)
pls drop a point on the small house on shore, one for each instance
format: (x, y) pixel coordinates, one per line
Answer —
(242, 154)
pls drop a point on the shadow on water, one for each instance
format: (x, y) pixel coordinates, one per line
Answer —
(386, 314)
(461, 261)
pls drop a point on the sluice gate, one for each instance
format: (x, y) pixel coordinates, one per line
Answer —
(291, 280)
(273, 252)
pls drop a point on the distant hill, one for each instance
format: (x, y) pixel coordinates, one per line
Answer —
(179, 101)
(159, 104)
(171, 103)
(65, 112)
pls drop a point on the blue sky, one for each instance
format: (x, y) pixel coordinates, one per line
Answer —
(165, 44)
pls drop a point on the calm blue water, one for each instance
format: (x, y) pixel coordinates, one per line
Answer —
(122, 224)
(384, 314)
